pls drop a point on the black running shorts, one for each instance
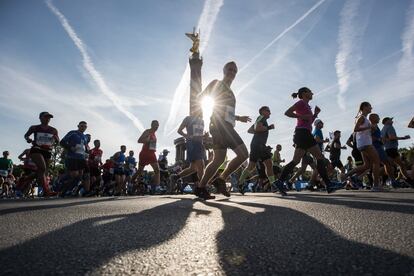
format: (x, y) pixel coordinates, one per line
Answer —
(47, 155)
(392, 153)
(260, 153)
(225, 136)
(303, 139)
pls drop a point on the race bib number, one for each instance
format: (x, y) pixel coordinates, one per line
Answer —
(230, 116)
(152, 145)
(97, 158)
(4, 173)
(44, 139)
(131, 166)
(80, 149)
(111, 170)
(198, 130)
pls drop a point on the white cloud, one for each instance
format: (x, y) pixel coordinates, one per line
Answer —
(90, 68)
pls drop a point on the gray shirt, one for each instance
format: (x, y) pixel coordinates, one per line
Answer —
(386, 131)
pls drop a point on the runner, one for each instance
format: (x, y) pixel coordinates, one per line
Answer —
(95, 163)
(44, 137)
(258, 149)
(379, 147)
(29, 173)
(130, 169)
(303, 138)
(318, 135)
(163, 165)
(6, 169)
(147, 156)
(277, 159)
(390, 138)
(222, 130)
(74, 143)
(196, 153)
(335, 152)
(119, 171)
(363, 138)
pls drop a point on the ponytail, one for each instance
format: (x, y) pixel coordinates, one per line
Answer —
(295, 95)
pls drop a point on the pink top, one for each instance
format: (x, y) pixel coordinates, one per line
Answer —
(302, 108)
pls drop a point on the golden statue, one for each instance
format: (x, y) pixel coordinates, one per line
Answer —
(195, 37)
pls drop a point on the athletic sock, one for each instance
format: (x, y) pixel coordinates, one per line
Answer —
(243, 176)
(287, 170)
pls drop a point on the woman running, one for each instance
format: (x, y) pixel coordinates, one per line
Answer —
(303, 139)
(363, 136)
(44, 137)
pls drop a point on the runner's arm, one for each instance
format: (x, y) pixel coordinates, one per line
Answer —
(180, 129)
(27, 134)
(358, 124)
(144, 137)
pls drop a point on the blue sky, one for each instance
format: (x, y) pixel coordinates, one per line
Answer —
(120, 64)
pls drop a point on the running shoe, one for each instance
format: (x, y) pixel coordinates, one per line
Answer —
(278, 186)
(204, 194)
(221, 187)
(197, 191)
(330, 188)
(241, 187)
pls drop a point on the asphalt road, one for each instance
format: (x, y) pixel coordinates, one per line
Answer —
(346, 233)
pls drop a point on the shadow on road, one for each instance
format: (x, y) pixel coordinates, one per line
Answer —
(87, 245)
(47, 205)
(283, 241)
(365, 205)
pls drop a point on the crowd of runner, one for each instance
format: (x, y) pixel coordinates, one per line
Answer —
(375, 155)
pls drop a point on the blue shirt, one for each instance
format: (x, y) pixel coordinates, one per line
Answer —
(318, 133)
(75, 143)
(131, 163)
(376, 138)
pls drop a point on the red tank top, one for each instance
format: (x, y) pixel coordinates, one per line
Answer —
(151, 145)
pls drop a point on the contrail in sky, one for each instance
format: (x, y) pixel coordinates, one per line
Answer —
(205, 24)
(90, 67)
(350, 32)
(282, 34)
(407, 59)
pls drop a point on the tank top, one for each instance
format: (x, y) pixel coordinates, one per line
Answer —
(151, 145)
(364, 138)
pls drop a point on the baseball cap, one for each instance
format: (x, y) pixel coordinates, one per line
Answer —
(386, 119)
(45, 113)
(317, 121)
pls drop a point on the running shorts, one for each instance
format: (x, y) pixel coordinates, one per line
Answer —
(356, 154)
(392, 153)
(73, 164)
(337, 163)
(303, 138)
(225, 136)
(381, 153)
(195, 151)
(147, 158)
(119, 171)
(47, 155)
(260, 153)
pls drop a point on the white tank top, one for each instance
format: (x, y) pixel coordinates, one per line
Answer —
(364, 138)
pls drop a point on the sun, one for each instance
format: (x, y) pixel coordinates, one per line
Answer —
(207, 104)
